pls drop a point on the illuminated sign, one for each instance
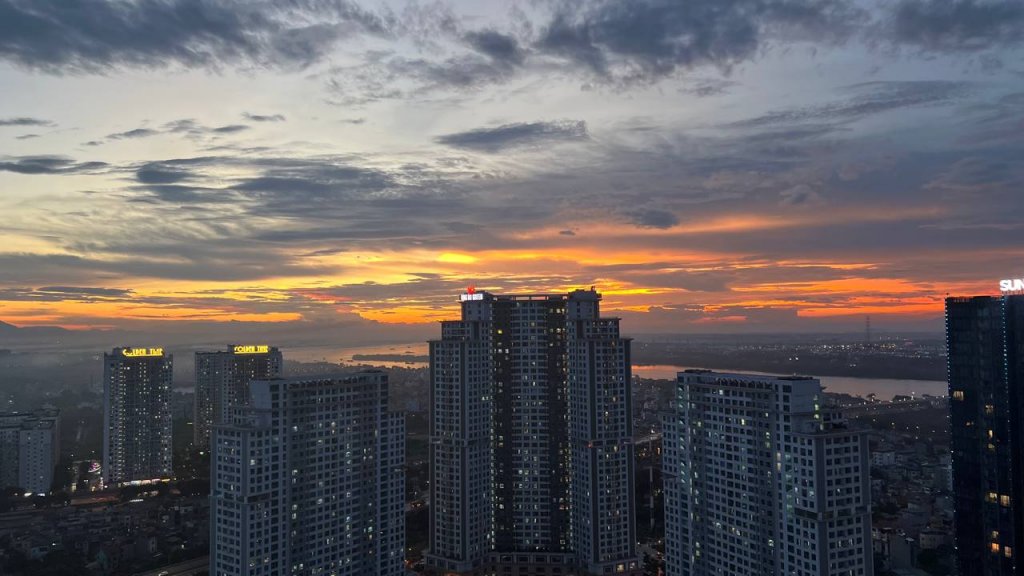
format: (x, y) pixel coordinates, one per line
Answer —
(1013, 285)
(474, 296)
(141, 352)
(252, 349)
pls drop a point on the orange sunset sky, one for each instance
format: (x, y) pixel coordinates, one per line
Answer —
(318, 168)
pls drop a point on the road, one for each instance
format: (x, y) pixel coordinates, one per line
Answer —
(189, 568)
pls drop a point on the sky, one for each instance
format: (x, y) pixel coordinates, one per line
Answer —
(346, 169)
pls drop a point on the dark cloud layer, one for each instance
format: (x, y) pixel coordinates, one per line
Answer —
(91, 35)
(647, 39)
(493, 140)
(957, 25)
(622, 42)
(72, 291)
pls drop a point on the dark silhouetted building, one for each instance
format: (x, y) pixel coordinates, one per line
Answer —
(531, 451)
(136, 415)
(985, 344)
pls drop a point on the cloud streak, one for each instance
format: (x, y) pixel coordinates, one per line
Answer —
(24, 121)
(518, 135)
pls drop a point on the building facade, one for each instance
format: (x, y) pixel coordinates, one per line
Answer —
(531, 452)
(29, 449)
(222, 382)
(985, 355)
(762, 479)
(308, 479)
(136, 415)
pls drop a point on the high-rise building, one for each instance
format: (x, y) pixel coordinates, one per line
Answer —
(761, 478)
(222, 382)
(531, 453)
(308, 479)
(29, 449)
(136, 415)
(985, 371)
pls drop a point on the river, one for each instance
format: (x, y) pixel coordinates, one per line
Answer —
(884, 388)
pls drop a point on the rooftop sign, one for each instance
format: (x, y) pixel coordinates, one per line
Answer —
(1012, 285)
(251, 349)
(141, 352)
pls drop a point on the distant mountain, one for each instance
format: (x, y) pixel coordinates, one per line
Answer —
(12, 336)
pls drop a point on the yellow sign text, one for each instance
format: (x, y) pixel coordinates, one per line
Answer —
(252, 349)
(142, 352)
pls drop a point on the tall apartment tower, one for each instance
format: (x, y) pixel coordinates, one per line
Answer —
(29, 449)
(531, 453)
(222, 382)
(985, 352)
(136, 415)
(308, 480)
(762, 479)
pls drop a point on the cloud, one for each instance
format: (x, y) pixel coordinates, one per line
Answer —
(141, 260)
(264, 117)
(662, 219)
(650, 39)
(72, 291)
(132, 134)
(705, 87)
(800, 195)
(957, 25)
(508, 136)
(48, 165)
(230, 129)
(187, 127)
(499, 47)
(24, 121)
(93, 35)
(26, 136)
(872, 98)
(161, 173)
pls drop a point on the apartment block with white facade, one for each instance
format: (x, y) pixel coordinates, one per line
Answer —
(308, 479)
(761, 478)
(222, 383)
(29, 449)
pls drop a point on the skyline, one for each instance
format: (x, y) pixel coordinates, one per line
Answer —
(792, 165)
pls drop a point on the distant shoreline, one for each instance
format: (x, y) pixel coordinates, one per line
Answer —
(407, 358)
